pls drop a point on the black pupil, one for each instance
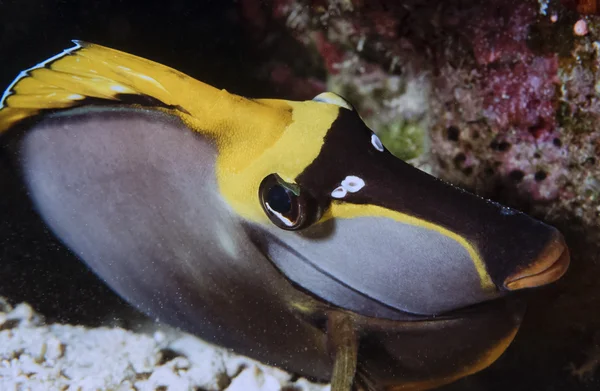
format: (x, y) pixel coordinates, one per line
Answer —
(279, 199)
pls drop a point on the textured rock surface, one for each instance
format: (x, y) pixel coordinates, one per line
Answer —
(37, 356)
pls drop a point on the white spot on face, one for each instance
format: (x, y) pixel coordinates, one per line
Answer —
(75, 97)
(339, 192)
(118, 88)
(281, 217)
(353, 183)
(376, 142)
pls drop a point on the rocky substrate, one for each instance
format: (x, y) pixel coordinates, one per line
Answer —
(46, 357)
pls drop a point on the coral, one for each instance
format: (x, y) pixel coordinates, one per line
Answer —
(490, 74)
(582, 6)
(480, 64)
(394, 106)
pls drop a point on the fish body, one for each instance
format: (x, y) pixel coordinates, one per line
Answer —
(283, 230)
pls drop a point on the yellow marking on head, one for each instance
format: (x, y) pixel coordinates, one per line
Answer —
(346, 210)
(288, 153)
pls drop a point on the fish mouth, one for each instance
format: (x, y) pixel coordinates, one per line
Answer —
(551, 265)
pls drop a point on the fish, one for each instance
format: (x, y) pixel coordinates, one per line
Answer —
(282, 230)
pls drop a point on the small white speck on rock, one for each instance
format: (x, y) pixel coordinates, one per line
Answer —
(159, 337)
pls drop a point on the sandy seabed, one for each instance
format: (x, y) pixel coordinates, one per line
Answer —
(46, 357)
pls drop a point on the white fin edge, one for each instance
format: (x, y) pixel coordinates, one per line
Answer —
(9, 90)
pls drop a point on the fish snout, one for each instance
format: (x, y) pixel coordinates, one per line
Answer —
(551, 264)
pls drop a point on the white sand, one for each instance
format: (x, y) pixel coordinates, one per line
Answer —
(36, 356)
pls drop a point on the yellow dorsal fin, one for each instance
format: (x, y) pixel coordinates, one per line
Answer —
(89, 71)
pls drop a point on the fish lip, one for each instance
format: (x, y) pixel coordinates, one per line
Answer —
(551, 265)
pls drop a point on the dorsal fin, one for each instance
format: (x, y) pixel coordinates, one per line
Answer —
(89, 73)
(74, 76)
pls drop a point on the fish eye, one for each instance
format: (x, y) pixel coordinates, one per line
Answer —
(286, 205)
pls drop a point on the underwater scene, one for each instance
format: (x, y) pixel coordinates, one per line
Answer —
(300, 195)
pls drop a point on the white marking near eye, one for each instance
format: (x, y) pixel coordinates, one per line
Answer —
(353, 183)
(281, 217)
(376, 142)
(118, 88)
(339, 192)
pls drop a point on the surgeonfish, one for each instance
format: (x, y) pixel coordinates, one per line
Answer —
(283, 230)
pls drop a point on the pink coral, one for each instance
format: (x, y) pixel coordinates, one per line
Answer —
(521, 95)
(518, 86)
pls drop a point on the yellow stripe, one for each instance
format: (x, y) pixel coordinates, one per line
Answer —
(288, 153)
(486, 359)
(347, 211)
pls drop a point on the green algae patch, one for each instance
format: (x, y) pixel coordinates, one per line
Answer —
(403, 139)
